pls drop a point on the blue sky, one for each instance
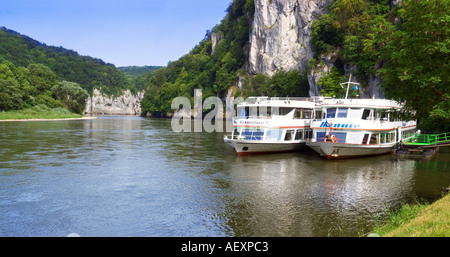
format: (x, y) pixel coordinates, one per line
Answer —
(121, 32)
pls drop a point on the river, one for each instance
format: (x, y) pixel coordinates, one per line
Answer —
(133, 176)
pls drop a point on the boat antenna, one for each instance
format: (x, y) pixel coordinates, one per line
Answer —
(348, 85)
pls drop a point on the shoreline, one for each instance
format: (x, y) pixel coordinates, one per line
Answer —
(431, 220)
(56, 119)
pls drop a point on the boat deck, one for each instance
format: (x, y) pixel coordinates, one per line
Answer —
(428, 140)
(423, 145)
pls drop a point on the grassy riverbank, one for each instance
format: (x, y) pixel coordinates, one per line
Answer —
(39, 112)
(418, 220)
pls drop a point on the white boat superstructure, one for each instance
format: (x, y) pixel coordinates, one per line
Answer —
(269, 125)
(345, 128)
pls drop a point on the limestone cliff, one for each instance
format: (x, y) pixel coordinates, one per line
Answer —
(125, 104)
(280, 37)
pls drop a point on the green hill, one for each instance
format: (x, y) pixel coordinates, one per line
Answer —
(67, 64)
(134, 72)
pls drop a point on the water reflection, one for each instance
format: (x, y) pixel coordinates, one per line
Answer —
(301, 195)
(130, 176)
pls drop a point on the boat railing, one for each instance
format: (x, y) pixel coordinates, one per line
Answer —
(234, 137)
(252, 135)
(255, 117)
(254, 99)
(328, 138)
(428, 139)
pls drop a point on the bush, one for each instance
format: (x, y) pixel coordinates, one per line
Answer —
(71, 95)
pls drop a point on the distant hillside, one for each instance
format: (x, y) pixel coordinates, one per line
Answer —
(134, 72)
(67, 64)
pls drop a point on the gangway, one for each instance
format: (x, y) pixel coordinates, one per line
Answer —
(424, 145)
(428, 140)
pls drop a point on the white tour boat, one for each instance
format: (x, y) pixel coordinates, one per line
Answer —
(271, 125)
(344, 128)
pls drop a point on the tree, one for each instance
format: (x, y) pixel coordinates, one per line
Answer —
(10, 95)
(41, 77)
(331, 84)
(417, 61)
(72, 95)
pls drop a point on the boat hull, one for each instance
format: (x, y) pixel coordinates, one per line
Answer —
(249, 147)
(331, 150)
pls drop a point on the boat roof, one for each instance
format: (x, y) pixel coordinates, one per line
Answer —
(362, 103)
(290, 102)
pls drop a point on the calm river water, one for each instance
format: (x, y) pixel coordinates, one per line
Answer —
(131, 176)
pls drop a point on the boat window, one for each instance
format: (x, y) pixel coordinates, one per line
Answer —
(299, 134)
(307, 114)
(331, 112)
(320, 136)
(354, 113)
(308, 133)
(318, 115)
(340, 136)
(273, 134)
(298, 114)
(252, 134)
(374, 139)
(366, 114)
(365, 139)
(235, 133)
(384, 115)
(302, 114)
(342, 112)
(269, 112)
(382, 138)
(253, 112)
(242, 112)
(284, 111)
(354, 138)
(289, 135)
(264, 112)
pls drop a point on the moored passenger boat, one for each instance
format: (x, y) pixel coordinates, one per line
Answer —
(271, 125)
(345, 128)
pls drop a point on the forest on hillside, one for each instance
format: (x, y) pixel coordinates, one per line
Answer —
(216, 71)
(67, 65)
(408, 44)
(33, 74)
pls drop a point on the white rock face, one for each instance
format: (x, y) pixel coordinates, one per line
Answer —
(281, 36)
(125, 104)
(281, 32)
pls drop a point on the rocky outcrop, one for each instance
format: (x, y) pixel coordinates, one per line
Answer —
(125, 104)
(280, 40)
(280, 37)
(215, 39)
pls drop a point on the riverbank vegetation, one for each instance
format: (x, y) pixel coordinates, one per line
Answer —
(66, 64)
(39, 112)
(34, 75)
(418, 220)
(22, 88)
(407, 45)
